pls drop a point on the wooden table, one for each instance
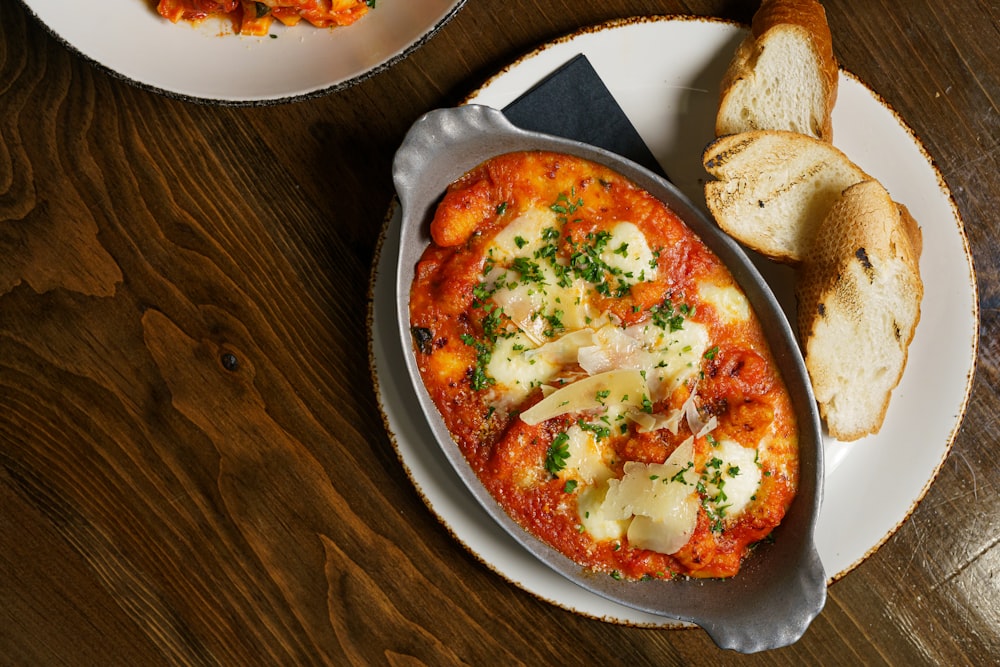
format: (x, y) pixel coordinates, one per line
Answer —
(159, 504)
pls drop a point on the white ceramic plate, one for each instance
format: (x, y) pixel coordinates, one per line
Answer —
(665, 73)
(207, 62)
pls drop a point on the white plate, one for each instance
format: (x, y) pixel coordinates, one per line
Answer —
(665, 74)
(207, 62)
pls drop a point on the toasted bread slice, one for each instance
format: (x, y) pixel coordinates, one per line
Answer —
(774, 188)
(783, 75)
(859, 294)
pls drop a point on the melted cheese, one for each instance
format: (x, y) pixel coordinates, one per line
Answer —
(522, 237)
(729, 302)
(516, 373)
(586, 461)
(738, 479)
(595, 517)
(628, 252)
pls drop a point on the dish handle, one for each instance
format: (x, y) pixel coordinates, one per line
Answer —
(779, 616)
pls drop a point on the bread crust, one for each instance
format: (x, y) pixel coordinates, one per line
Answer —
(861, 281)
(807, 16)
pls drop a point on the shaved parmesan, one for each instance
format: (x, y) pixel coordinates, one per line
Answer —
(612, 348)
(647, 423)
(565, 349)
(593, 516)
(622, 389)
(667, 358)
(662, 498)
(693, 417)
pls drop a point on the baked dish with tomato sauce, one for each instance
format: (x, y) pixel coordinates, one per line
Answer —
(601, 370)
(255, 18)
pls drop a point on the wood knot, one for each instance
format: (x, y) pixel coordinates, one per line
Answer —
(229, 361)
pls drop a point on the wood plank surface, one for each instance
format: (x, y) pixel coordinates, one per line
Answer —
(193, 465)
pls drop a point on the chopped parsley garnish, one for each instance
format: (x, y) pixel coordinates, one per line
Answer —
(600, 432)
(482, 292)
(530, 271)
(492, 323)
(715, 503)
(716, 517)
(480, 380)
(564, 205)
(665, 317)
(653, 263)
(555, 323)
(557, 454)
(679, 476)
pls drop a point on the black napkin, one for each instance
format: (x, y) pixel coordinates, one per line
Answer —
(573, 102)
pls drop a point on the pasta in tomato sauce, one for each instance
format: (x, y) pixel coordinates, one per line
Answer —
(601, 370)
(255, 18)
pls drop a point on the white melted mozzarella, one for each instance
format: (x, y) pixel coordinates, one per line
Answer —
(515, 373)
(628, 252)
(729, 302)
(586, 457)
(523, 236)
(737, 479)
(594, 516)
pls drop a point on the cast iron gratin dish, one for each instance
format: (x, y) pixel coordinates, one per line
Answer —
(781, 587)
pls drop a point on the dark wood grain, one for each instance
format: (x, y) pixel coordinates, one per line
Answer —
(193, 466)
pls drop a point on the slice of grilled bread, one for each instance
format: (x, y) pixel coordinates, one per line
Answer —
(859, 294)
(774, 188)
(783, 75)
